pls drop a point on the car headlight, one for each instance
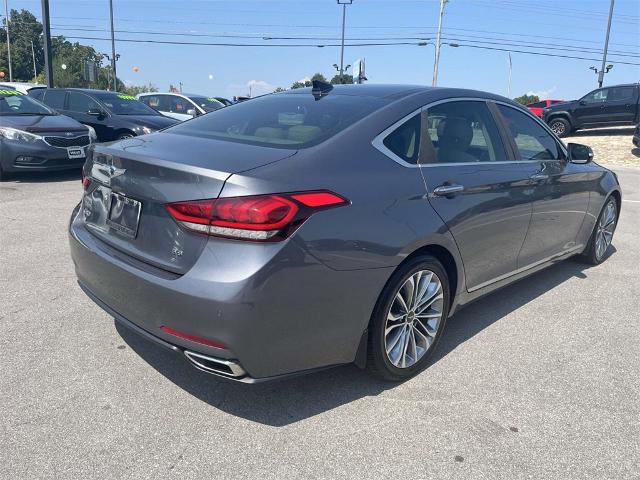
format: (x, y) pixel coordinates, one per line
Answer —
(92, 133)
(18, 135)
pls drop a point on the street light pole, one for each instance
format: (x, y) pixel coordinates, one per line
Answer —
(437, 59)
(606, 46)
(344, 4)
(6, 24)
(113, 49)
(510, 67)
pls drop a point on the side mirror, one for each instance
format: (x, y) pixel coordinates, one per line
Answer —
(95, 112)
(192, 112)
(580, 153)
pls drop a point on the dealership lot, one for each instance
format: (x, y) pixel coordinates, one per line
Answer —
(539, 380)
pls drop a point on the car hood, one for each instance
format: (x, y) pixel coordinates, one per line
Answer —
(154, 122)
(562, 106)
(43, 123)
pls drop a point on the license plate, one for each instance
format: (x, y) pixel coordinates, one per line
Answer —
(124, 215)
(75, 152)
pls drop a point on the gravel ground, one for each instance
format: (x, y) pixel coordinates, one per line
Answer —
(539, 380)
(612, 146)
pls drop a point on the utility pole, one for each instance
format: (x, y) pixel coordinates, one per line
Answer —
(46, 33)
(344, 4)
(510, 67)
(113, 49)
(33, 56)
(438, 43)
(606, 46)
(6, 24)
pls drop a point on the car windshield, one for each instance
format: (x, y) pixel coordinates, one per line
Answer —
(284, 121)
(13, 102)
(120, 104)
(208, 104)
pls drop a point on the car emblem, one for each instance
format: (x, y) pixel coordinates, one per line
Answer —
(115, 172)
(69, 134)
(105, 173)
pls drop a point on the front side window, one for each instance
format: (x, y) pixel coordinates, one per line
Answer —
(531, 139)
(404, 141)
(79, 102)
(293, 121)
(462, 132)
(596, 96)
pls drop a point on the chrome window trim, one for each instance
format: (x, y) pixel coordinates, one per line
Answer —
(378, 141)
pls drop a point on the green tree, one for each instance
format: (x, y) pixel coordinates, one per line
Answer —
(24, 28)
(343, 79)
(279, 89)
(308, 83)
(525, 99)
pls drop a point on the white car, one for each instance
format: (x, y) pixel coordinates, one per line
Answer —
(21, 86)
(181, 106)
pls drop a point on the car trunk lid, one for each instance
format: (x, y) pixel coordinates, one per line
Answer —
(132, 181)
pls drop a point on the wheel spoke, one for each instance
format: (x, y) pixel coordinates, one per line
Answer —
(402, 302)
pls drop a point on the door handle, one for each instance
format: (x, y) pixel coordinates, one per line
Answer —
(539, 177)
(445, 190)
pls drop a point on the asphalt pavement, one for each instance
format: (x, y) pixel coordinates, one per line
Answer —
(539, 380)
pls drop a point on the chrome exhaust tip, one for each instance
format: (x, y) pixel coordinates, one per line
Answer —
(218, 366)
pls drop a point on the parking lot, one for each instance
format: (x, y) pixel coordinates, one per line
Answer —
(539, 380)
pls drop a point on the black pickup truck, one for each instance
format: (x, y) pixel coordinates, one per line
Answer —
(604, 107)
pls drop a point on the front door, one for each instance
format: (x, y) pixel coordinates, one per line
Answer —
(79, 105)
(476, 186)
(561, 191)
(591, 108)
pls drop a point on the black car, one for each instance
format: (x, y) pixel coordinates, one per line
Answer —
(636, 136)
(113, 115)
(617, 105)
(34, 137)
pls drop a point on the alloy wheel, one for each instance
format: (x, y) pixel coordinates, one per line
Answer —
(413, 319)
(557, 128)
(605, 228)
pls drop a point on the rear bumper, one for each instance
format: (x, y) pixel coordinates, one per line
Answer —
(278, 310)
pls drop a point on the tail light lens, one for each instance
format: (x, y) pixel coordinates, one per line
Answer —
(86, 183)
(258, 218)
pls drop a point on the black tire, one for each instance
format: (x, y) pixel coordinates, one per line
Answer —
(560, 126)
(378, 361)
(592, 254)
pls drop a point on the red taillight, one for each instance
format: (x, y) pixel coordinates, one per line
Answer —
(260, 217)
(86, 183)
(193, 338)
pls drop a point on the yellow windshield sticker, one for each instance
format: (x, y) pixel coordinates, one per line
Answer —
(127, 97)
(10, 92)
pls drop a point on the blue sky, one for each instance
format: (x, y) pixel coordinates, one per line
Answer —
(578, 25)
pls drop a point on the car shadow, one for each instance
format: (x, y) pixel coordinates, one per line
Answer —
(288, 401)
(46, 177)
(628, 131)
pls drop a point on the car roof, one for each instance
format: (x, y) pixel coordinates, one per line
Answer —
(397, 92)
(87, 90)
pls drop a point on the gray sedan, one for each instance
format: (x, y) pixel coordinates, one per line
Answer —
(331, 225)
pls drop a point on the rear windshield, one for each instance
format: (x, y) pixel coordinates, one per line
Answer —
(121, 104)
(283, 121)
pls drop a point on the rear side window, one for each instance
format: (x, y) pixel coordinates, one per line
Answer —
(531, 139)
(404, 141)
(55, 98)
(284, 121)
(462, 132)
(621, 93)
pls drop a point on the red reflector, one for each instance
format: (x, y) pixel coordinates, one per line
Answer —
(86, 182)
(319, 199)
(193, 338)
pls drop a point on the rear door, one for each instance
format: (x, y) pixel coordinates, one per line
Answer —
(476, 186)
(621, 104)
(560, 189)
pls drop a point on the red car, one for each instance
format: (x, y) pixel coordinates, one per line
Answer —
(537, 107)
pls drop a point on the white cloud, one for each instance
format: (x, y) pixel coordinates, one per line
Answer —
(256, 87)
(543, 94)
